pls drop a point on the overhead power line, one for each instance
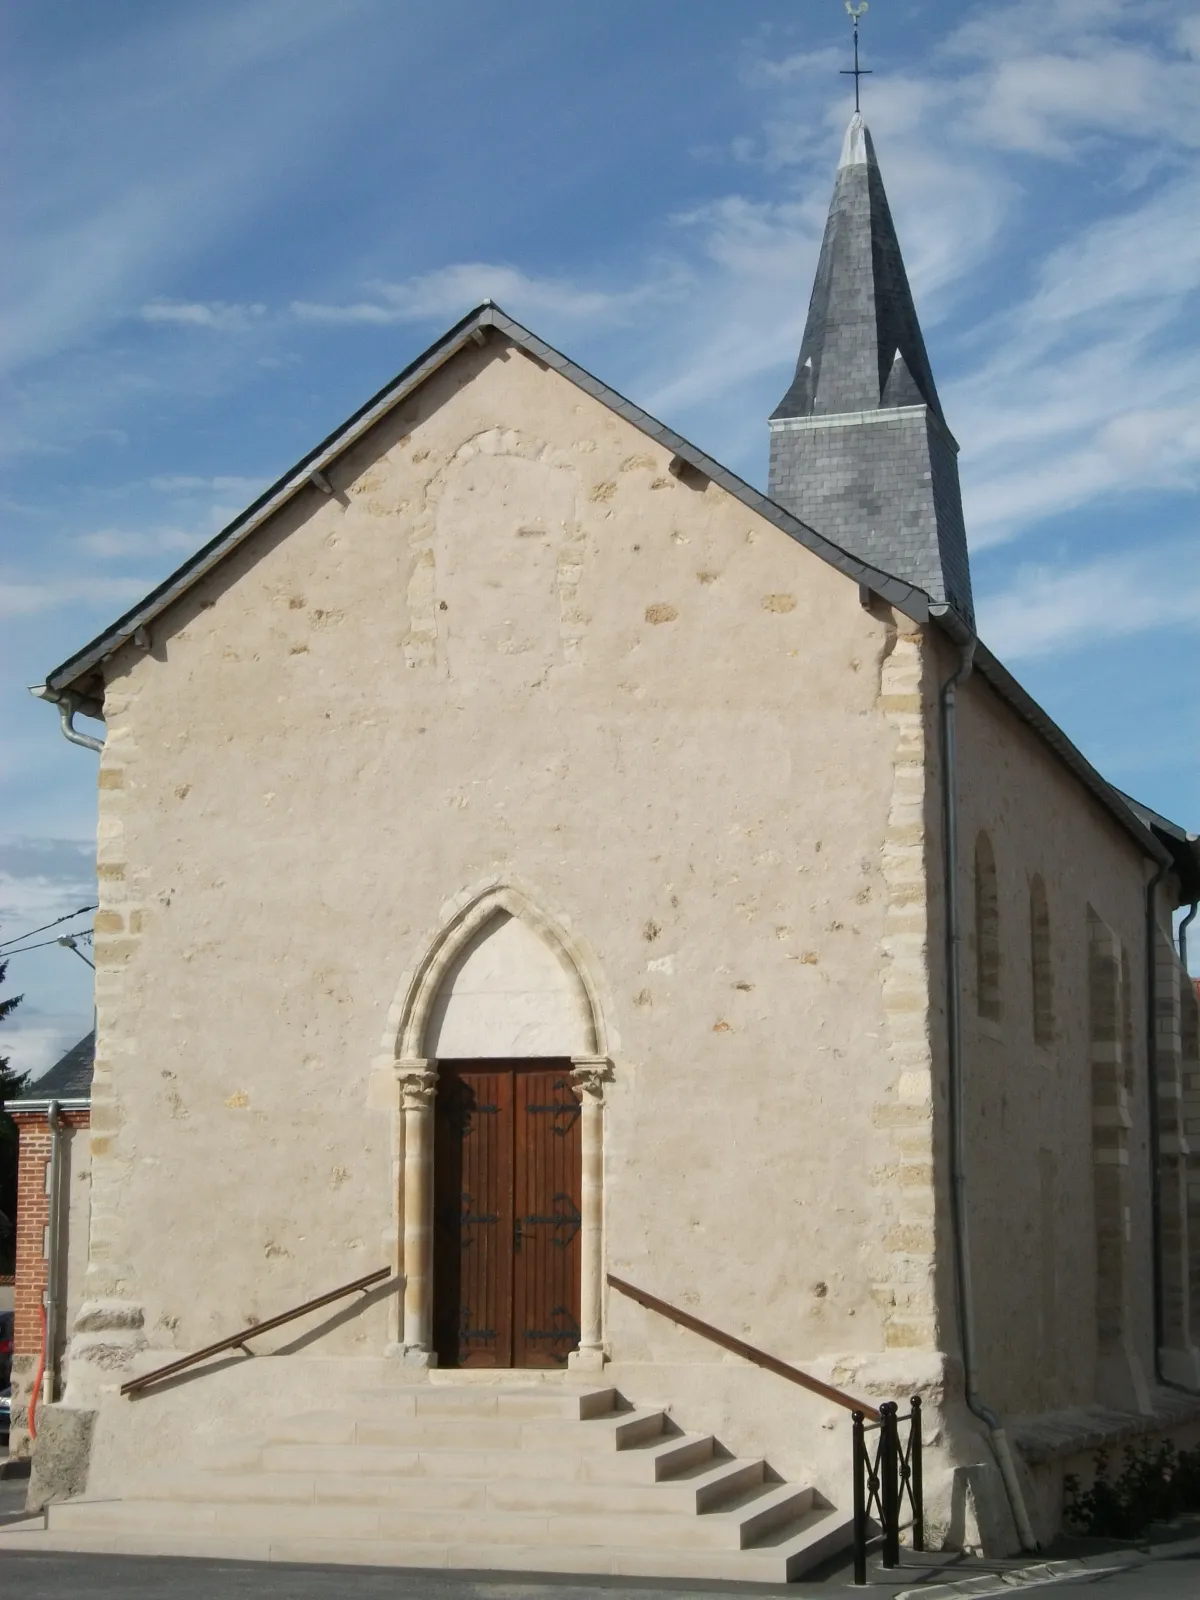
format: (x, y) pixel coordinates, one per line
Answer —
(43, 944)
(16, 939)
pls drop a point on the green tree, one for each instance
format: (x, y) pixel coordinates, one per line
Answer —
(12, 1085)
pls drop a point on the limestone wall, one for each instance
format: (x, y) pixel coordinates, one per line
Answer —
(1055, 1073)
(514, 647)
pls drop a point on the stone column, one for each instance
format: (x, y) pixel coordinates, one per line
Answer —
(418, 1084)
(588, 1076)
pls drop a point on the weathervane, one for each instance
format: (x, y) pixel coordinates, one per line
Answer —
(856, 72)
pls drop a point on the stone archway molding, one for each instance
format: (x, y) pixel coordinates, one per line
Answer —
(413, 1077)
(410, 1025)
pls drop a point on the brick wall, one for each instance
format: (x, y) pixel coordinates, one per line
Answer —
(33, 1222)
(33, 1217)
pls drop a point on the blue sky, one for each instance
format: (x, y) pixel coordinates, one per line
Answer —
(233, 220)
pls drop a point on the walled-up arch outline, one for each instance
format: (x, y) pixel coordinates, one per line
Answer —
(415, 1077)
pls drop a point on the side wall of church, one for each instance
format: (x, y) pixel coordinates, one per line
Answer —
(512, 646)
(1052, 899)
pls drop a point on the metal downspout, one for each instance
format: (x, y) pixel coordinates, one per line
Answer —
(1155, 1139)
(1183, 928)
(958, 1183)
(68, 709)
(53, 1231)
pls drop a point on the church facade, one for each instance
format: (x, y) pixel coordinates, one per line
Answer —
(530, 856)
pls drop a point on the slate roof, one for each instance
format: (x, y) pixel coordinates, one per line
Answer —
(68, 1080)
(1184, 847)
(862, 347)
(859, 445)
(80, 677)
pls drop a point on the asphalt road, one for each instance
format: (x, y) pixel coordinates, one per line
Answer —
(67, 1577)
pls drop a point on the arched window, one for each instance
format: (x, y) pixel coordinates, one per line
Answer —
(1127, 1018)
(1041, 965)
(987, 931)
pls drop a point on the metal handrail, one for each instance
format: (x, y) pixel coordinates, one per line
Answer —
(740, 1348)
(237, 1341)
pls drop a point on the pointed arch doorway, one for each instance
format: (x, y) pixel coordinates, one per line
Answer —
(501, 1069)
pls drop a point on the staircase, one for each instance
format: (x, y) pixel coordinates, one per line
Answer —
(534, 1478)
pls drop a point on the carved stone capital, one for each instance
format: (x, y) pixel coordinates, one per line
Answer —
(418, 1084)
(589, 1074)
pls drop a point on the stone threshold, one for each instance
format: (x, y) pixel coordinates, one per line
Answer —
(508, 1377)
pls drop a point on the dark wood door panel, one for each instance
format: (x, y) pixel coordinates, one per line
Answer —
(546, 1206)
(473, 1217)
(507, 1192)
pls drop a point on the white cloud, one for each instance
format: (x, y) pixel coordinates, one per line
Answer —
(1040, 104)
(29, 598)
(200, 499)
(805, 65)
(1051, 75)
(1047, 610)
(41, 879)
(1092, 385)
(450, 292)
(181, 483)
(111, 544)
(215, 314)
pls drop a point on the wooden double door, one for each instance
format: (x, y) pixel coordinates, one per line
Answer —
(507, 1189)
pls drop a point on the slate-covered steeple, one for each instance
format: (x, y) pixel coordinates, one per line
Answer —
(860, 449)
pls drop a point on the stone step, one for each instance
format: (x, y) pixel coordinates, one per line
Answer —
(230, 1455)
(758, 1513)
(315, 1488)
(690, 1494)
(761, 1512)
(608, 1432)
(819, 1536)
(651, 1461)
(539, 1477)
(426, 1400)
(695, 1492)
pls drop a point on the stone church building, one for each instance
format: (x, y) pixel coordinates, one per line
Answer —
(529, 856)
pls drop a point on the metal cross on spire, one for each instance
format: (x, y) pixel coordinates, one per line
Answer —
(856, 72)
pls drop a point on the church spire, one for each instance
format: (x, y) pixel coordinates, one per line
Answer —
(859, 446)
